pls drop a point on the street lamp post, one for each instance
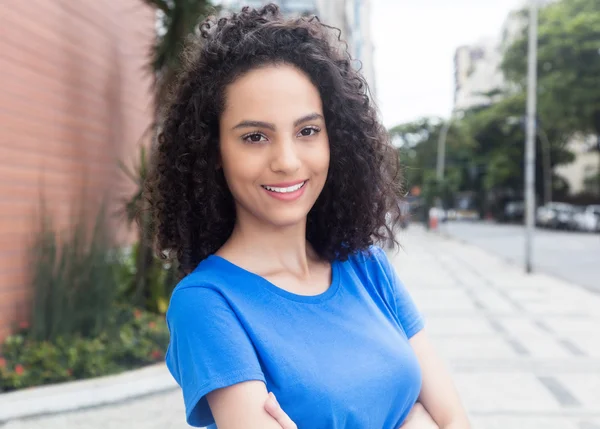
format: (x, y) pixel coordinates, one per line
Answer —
(530, 140)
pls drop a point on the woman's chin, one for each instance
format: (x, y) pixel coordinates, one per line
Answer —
(287, 218)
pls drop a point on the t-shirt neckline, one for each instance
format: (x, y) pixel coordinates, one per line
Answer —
(329, 293)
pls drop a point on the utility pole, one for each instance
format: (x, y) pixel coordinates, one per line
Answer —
(547, 165)
(441, 150)
(441, 161)
(530, 140)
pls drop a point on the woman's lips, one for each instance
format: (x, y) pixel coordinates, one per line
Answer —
(282, 195)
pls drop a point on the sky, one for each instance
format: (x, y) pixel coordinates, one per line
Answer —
(415, 41)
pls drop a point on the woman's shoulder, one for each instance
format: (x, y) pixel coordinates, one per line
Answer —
(214, 278)
(207, 283)
(205, 276)
(371, 258)
(371, 266)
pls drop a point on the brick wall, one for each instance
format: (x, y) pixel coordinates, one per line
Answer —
(74, 99)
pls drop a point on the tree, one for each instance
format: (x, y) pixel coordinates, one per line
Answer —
(417, 148)
(177, 19)
(568, 64)
(500, 134)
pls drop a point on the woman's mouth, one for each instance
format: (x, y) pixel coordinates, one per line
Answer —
(285, 191)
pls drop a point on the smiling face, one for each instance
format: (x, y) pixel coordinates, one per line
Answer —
(273, 145)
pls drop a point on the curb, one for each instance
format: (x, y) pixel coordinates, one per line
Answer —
(81, 394)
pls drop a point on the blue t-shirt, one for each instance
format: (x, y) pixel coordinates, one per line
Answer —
(336, 360)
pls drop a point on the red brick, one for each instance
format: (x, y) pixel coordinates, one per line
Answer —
(74, 99)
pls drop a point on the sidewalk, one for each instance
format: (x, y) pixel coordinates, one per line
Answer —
(524, 350)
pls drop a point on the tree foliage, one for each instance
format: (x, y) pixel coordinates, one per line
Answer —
(484, 153)
(417, 147)
(177, 19)
(568, 64)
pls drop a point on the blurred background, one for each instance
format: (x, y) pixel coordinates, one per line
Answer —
(82, 294)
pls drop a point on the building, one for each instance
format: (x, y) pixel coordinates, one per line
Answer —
(477, 74)
(288, 7)
(477, 67)
(353, 18)
(362, 40)
(581, 175)
(74, 100)
(335, 14)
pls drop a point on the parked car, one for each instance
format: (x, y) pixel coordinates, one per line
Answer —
(556, 215)
(578, 212)
(514, 212)
(472, 215)
(588, 219)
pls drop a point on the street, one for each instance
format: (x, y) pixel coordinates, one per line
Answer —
(572, 256)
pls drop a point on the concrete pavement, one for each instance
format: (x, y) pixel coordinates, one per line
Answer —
(524, 350)
(161, 411)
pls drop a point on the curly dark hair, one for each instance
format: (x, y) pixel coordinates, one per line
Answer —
(194, 211)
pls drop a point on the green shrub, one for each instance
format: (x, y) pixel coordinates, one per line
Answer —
(74, 280)
(140, 339)
(82, 323)
(161, 280)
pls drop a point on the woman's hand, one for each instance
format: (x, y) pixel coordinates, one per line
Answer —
(419, 418)
(272, 407)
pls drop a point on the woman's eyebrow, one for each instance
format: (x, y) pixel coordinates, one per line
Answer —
(269, 126)
(308, 118)
(254, 124)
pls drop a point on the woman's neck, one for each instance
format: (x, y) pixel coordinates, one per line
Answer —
(269, 248)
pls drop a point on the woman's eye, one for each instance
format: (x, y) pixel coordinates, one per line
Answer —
(254, 138)
(306, 132)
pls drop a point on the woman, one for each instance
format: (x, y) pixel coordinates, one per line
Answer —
(273, 177)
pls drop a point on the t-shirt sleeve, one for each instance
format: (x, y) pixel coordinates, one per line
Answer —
(408, 314)
(208, 349)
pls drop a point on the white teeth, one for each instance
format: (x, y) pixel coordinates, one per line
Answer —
(284, 190)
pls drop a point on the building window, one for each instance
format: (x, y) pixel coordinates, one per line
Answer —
(476, 54)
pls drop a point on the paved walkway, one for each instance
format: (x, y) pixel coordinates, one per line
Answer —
(164, 411)
(524, 350)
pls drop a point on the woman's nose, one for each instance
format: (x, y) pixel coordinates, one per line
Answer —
(285, 157)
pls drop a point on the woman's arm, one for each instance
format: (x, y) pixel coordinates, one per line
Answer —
(242, 406)
(419, 418)
(438, 394)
